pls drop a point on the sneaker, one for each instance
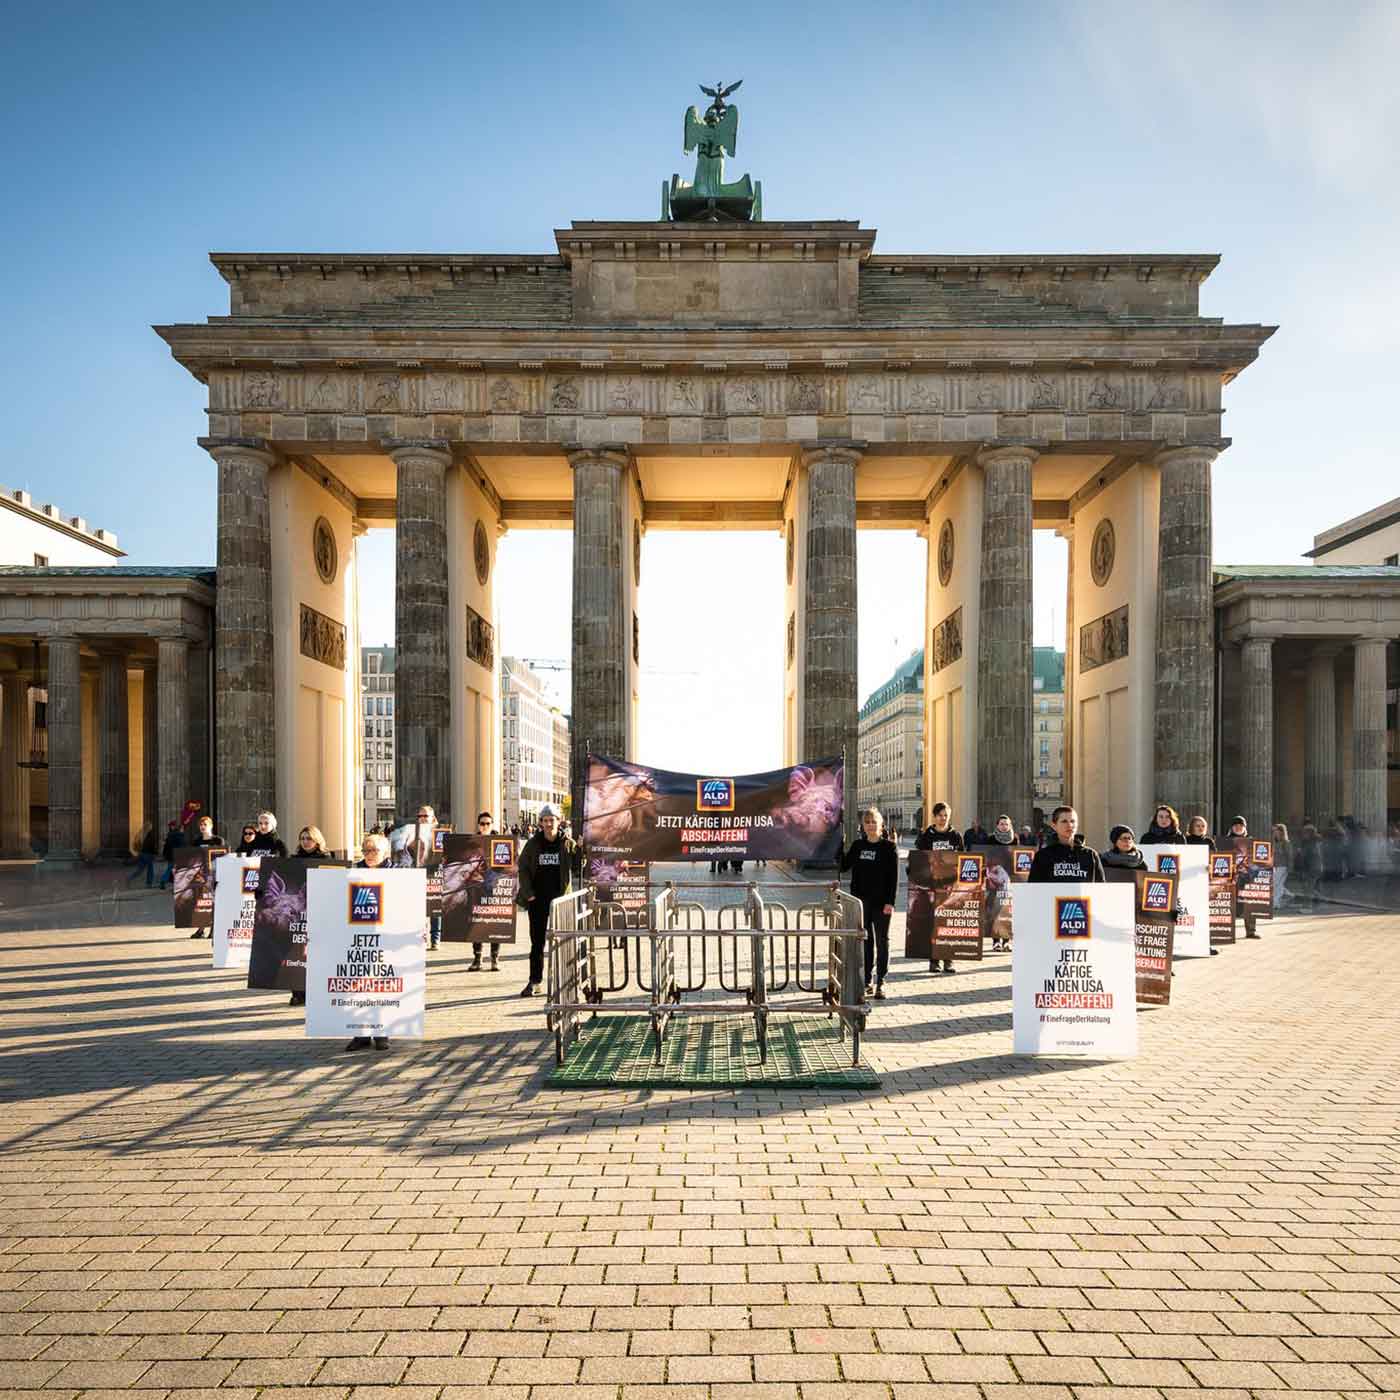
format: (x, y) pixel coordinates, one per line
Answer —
(1251, 935)
(360, 1042)
(869, 990)
(1215, 952)
(298, 999)
(198, 933)
(474, 965)
(933, 965)
(495, 966)
(879, 991)
(947, 967)
(528, 990)
(381, 1042)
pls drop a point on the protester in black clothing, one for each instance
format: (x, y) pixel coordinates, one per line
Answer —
(146, 857)
(1238, 840)
(375, 852)
(311, 845)
(975, 835)
(544, 876)
(207, 835)
(874, 865)
(174, 841)
(940, 836)
(1062, 861)
(1198, 833)
(245, 846)
(483, 829)
(1164, 828)
(266, 841)
(1122, 852)
(1003, 833)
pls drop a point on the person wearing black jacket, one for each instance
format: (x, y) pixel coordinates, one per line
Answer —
(544, 876)
(940, 836)
(1122, 852)
(1062, 861)
(174, 841)
(1198, 833)
(1164, 829)
(975, 835)
(267, 842)
(1238, 841)
(375, 850)
(874, 865)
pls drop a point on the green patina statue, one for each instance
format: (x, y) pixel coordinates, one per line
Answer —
(709, 199)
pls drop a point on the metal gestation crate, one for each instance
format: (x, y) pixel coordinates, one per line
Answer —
(760, 957)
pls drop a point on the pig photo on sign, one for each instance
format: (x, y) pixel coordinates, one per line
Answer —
(191, 881)
(619, 805)
(465, 882)
(284, 906)
(815, 803)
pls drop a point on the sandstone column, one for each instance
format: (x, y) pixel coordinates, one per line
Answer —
(14, 780)
(830, 703)
(1004, 660)
(1184, 712)
(1257, 734)
(65, 722)
(1320, 759)
(422, 708)
(150, 747)
(246, 733)
(114, 772)
(602, 629)
(172, 716)
(1369, 776)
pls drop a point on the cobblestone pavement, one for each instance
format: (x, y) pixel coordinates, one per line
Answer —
(198, 1198)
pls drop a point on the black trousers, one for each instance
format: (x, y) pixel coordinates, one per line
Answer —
(877, 941)
(538, 911)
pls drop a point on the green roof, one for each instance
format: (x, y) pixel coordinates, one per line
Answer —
(1318, 572)
(1049, 669)
(204, 573)
(909, 676)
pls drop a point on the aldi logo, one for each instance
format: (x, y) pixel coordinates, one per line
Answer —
(1021, 859)
(1261, 852)
(1157, 894)
(969, 870)
(366, 903)
(1168, 864)
(1222, 867)
(250, 879)
(1071, 916)
(714, 794)
(502, 854)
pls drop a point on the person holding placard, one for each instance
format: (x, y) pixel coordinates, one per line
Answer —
(940, 835)
(1062, 861)
(1122, 852)
(374, 852)
(1164, 829)
(484, 824)
(874, 865)
(1238, 841)
(1198, 833)
(266, 841)
(544, 876)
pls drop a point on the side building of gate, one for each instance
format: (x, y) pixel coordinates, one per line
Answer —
(777, 375)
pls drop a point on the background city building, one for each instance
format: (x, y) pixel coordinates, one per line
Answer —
(377, 690)
(890, 748)
(1048, 727)
(534, 744)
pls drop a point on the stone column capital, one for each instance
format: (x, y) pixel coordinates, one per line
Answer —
(848, 451)
(1256, 645)
(607, 455)
(242, 449)
(420, 451)
(1192, 452)
(1013, 453)
(1379, 639)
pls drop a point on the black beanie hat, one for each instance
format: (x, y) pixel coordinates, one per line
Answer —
(1118, 831)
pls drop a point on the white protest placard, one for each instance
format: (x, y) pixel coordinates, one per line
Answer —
(235, 904)
(1074, 971)
(1191, 866)
(365, 965)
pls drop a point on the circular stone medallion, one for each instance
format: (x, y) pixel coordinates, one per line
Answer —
(945, 554)
(1101, 552)
(323, 550)
(481, 553)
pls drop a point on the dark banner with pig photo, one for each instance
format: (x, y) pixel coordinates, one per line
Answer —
(642, 813)
(1154, 926)
(434, 869)
(1222, 899)
(1254, 876)
(479, 883)
(193, 885)
(621, 884)
(277, 959)
(1006, 866)
(944, 919)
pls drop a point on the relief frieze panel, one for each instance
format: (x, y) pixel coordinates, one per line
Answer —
(322, 638)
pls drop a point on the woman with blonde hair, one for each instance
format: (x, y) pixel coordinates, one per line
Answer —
(874, 865)
(311, 845)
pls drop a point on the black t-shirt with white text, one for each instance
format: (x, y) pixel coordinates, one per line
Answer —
(1061, 864)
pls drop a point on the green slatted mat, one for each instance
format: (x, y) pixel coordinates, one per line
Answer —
(711, 1052)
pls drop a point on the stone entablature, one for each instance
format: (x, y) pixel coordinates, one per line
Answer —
(107, 602)
(1342, 602)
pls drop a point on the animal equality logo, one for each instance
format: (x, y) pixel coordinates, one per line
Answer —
(1168, 864)
(969, 870)
(1157, 894)
(1071, 917)
(366, 903)
(714, 794)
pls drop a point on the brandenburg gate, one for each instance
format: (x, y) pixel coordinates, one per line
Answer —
(715, 372)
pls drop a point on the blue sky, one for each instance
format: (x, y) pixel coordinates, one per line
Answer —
(142, 137)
